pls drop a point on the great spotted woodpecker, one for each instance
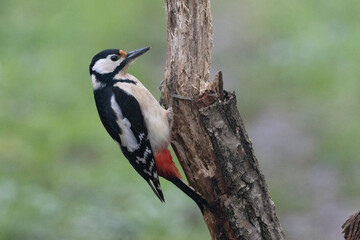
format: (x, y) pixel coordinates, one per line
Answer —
(135, 120)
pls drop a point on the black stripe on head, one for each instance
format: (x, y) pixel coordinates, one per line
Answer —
(125, 81)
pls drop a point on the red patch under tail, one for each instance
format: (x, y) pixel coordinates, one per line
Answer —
(165, 166)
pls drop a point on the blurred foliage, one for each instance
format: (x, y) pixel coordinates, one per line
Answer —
(62, 177)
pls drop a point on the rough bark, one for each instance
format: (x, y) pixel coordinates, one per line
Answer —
(208, 135)
(351, 228)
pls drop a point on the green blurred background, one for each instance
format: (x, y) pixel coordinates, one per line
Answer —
(294, 66)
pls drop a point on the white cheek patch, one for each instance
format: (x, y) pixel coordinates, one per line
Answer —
(127, 137)
(96, 84)
(105, 65)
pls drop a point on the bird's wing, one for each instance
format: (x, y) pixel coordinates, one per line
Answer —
(133, 137)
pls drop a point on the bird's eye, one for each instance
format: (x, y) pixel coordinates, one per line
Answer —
(114, 58)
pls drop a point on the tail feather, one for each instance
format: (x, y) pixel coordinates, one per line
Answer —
(198, 199)
(156, 189)
(166, 168)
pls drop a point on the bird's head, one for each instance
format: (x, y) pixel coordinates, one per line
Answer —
(106, 64)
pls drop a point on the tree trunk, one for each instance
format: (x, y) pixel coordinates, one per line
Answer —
(351, 228)
(208, 135)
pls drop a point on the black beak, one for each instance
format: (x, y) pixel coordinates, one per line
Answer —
(136, 53)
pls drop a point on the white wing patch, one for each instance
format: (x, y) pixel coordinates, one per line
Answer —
(156, 118)
(127, 137)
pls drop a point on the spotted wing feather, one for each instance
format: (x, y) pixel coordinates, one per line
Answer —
(139, 155)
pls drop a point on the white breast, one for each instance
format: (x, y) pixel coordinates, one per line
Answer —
(156, 118)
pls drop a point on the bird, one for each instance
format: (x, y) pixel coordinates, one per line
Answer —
(135, 120)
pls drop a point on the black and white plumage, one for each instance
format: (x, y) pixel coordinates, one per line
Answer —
(117, 96)
(135, 120)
